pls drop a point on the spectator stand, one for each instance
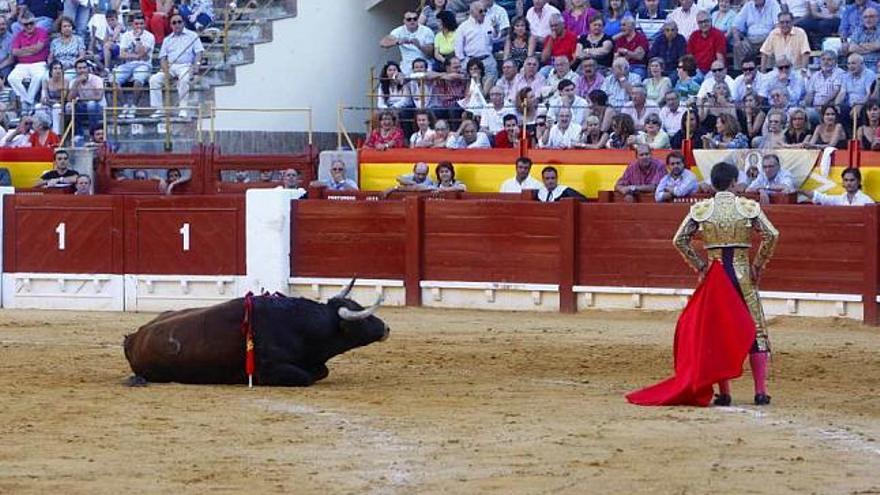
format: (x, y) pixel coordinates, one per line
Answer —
(481, 170)
(25, 165)
(222, 169)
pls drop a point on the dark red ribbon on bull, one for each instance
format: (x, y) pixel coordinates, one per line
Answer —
(247, 330)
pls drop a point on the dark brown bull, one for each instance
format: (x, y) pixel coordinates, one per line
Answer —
(293, 339)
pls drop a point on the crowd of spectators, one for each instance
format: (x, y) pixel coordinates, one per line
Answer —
(61, 57)
(615, 73)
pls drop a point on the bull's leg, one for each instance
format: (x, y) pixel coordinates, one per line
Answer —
(319, 372)
(286, 375)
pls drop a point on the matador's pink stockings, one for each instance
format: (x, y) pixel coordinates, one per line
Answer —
(760, 362)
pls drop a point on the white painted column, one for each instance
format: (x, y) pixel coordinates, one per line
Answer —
(267, 227)
(4, 190)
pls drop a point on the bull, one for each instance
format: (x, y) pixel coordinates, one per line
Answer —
(293, 340)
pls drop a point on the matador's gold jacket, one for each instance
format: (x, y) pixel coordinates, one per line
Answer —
(727, 221)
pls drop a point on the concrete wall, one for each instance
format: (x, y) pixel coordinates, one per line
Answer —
(318, 59)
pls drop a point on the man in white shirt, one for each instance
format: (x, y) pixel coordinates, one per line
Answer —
(719, 74)
(180, 57)
(773, 179)
(492, 117)
(413, 39)
(135, 49)
(639, 107)
(500, 21)
(473, 40)
(539, 18)
(852, 184)
(551, 191)
(564, 134)
(670, 114)
(685, 17)
(522, 179)
(468, 137)
(424, 135)
(567, 98)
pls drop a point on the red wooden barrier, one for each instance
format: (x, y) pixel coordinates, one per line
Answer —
(63, 234)
(185, 235)
(305, 163)
(346, 238)
(108, 162)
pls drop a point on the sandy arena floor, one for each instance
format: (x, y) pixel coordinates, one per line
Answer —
(454, 402)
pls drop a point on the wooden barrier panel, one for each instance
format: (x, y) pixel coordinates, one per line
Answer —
(491, 241)
(347, 238)
(305, 163)
(107, 163)
(63, 234)
(185, 235)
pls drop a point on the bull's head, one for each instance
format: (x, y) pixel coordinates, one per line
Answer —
(359, 322)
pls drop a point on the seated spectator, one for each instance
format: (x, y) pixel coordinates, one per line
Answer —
(596, 45)
(157, 13)
(747, 82)
(387, 135)
(560, 43)
(671, 113)
(852, 184)
(687, 87)
(623, 132)
(43, 137)
(20, 136)
(106, 30)
(267, 175)
(823, 19)
(529, 77)
(290, 179)
(492, 117)
(785, 78)
(428, 15)
(66, 47)
(509, 71)
(718, 75)
(786, 40)
(632, 45)
(564, 134)
(441, 135)
(773, 179)
(99, 140)
(865, 39)
(423, 136)
(723, 18)
(638, 106)
(599, 107)
(337, 180)
(551, 191)
(539, 16)
(614, 14)
(869, 125)
(478, 87)
(413, 40)
(798, 133)
(180, 57)
(83, 186)
(51, 94)
(653, 135)
(43, 13)
(690, 129)
(539, 132)
(468, 137)
(751, 27)
(140, 174)
(561, 72)
(642, 175)
(577, 17)
(568, 98)
(685, 17)
(473, 39)
(619, 83)
(527, 105)
(823, 86)
(87, 94)
(241, 177)
(751, 117)
(7, 61)
(773, 135)
(716, 103)
(446, 180)
(678, 183)
(519, 43)
(522, 179)
(30, 47)
(60, 175)
(668, 48)
(418, 180)
(509, 137)
(136, 49)
(590, 80)
(592, 137)
(727, 135)
(393, 90)
(449, 87)
(656, 84)
(829, 132)
(651, 18)
(855, 86)
(197, 14)
(444, 39)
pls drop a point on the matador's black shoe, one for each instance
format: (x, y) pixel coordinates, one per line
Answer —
(722, 400)
(762, 400)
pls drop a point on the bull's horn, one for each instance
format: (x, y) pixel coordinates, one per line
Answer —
(345, 290)
(349, 315)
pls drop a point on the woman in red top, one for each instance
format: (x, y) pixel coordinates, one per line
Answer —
(157, 14)
(43, 136)
(388, 135)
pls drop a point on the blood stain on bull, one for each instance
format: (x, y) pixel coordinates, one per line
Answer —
(293, 340)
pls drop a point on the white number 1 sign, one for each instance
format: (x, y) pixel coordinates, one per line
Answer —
(61, 230)
(184, 233)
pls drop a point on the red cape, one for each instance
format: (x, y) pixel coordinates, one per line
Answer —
(712, 339)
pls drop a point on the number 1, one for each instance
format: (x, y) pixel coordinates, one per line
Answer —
(61, 230)
(184, 233)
